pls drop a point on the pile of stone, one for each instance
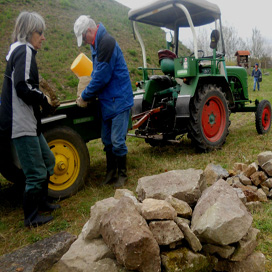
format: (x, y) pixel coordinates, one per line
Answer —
(175, 224)
(253, 182)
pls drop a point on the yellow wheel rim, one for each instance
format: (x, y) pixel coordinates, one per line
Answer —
(67, 165)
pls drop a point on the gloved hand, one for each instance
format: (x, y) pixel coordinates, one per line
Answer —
(49, 100)
(81, 103)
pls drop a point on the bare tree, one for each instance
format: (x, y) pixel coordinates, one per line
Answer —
(257, 44)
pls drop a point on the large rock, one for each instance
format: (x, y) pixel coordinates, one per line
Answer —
(157, 209)
(166, 232)
(184, 260)
(185, 185)
(207, 220)
(182, 208)
(213, 173)
(91, 229)
(246, 245)
(191, 238)
(38, 257)
(127, 234)
(84, 254)
(253, 263)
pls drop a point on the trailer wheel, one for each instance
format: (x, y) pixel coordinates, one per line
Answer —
(209, 120)
(72, 161)
(263, 117)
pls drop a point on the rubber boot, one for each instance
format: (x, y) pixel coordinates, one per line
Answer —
(30, 205)
(111, 168)
(44, 205)
(122, 171)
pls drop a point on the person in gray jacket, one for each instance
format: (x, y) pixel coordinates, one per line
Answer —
(20, 116)
(257, 74)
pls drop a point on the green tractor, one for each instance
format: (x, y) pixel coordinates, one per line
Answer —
(196, 93)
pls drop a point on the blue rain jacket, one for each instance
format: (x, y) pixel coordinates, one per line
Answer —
(110, 76)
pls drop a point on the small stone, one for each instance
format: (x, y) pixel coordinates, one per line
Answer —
(239, 167)
(189, 235)
(157, 209)
(251, 169)
(261, 195)
(258, 177)
(234, 182)
(265, 189)
(165, 232)
(246, 245)
(213, 173)
(223, 251)
(182, 208)
(268, 183)
(267, 167)
(263, 157)
(245, 180)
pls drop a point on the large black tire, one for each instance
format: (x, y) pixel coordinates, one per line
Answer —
(72, 166)
(209, 121)
(263, 117)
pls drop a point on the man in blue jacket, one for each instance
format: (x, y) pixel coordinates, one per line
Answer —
(256, 73)
(111, 83)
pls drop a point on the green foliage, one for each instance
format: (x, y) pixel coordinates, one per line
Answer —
(132, 52)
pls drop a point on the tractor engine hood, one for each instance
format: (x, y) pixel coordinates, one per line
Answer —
(165, 14)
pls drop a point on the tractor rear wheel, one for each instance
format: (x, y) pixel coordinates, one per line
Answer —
(209, 121)
(263, 117)
(72, 161)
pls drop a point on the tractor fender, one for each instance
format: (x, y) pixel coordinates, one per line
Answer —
(137, 107)
(182, 106)
(219, 82)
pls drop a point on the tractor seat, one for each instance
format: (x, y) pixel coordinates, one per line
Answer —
(166, 54)
(163, 80)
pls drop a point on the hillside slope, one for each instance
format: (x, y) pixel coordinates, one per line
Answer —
(60, 49)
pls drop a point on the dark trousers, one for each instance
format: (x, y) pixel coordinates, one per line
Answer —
(37, 160)
(9, 164)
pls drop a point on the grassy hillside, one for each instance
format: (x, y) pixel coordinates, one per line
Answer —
(60, 48)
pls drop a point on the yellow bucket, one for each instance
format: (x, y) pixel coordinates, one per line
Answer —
(82, 65)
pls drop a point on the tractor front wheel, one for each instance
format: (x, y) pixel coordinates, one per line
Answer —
(263, 117)
(209, 120)
(72, 165)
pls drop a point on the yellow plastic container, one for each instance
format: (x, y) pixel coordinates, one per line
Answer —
(82, 65)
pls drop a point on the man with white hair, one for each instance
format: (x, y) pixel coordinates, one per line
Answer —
(111, 83)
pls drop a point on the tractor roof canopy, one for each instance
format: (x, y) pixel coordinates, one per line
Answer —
(165, 13)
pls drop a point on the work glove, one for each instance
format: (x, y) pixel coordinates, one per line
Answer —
(47, 108)
(49, 101)
(81, 103)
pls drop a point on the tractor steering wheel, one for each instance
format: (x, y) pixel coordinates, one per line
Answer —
(200, 51)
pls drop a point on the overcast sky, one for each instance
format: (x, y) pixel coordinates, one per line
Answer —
(243, 15)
